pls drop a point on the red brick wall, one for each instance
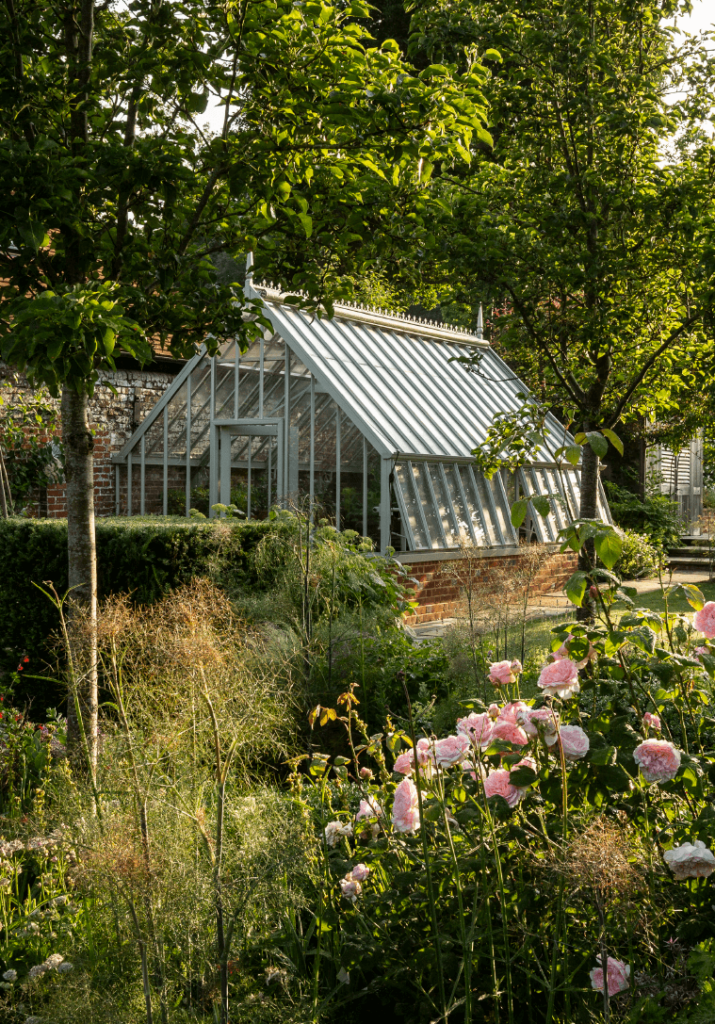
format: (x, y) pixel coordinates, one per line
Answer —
(440, 597)
(111, 417)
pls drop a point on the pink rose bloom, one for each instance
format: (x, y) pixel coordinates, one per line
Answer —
(406, 762)
(688, 861)
(574, 742)
(369, 808)
(559, 678)
(701, 650)
(658, 760)
(365, 773)
(618, 976)
(510, 712)
(510, 732)
(477, 727)
(359, 873)
(451, 750)
(704, 620)
(497, 784)
(351, 888)
(651, 720)
(501, 673)
(493, 711)
(543, 722)
(405, 808)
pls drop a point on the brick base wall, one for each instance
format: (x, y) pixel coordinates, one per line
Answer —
(440, 596)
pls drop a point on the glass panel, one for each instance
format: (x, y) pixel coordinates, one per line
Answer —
(573, 477)
(463, 514)
(540, 485)
(478, 522)
(559, 502)
(428, 507)
(502, 509)
(443, 507)
(484, 496)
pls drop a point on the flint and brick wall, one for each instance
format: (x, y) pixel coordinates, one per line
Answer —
(440, 596)
(113, 418)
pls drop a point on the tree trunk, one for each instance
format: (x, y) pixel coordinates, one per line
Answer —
(82, 562)
(588, 510)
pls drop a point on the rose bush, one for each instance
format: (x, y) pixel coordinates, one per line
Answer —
(541, 835)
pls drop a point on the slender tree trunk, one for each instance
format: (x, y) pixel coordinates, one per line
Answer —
(82, 563)
(588, 510)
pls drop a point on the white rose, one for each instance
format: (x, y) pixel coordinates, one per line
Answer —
(574, 742)
(690, 861)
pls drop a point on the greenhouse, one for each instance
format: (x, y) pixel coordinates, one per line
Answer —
(365, 418)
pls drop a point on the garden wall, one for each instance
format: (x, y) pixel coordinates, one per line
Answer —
(113, 418)
(440, 597)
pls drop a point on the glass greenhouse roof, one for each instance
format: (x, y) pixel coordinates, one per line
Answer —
(369, 417)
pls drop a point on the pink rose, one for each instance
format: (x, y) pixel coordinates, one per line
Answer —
(510, 732)
(658, 760)
(510, 712)
(651, 720)
(477, 727)
(540, 722)
(365, 773)
(701, 650)
(688, 861)
(618, 976)
(497, 784)
(493, 711)
(351, 888)
(359, 873)
(559, 678)
(451, 750)
(405, 808)
(704, 620)
(502, 673)
(406, 762)
(574, 742)
(369, 808)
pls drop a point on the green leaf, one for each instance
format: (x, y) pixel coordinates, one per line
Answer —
(576, 588)
(522, 777)
(518, 512)
(614, 439)
(694, 597)
(598, 443)
(573, 454)
(307, 223)
(34, 234)
(608, 547)
(602, 755)
(541, 504)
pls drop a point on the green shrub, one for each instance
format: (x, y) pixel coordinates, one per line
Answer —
(142, 556)
(656, 516)
(639, 558)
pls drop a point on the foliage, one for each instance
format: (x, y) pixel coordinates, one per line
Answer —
(656, 515)
(29, 443)
(489, 906)
(98, 129)
(144, 557)
(115, 885)
(639, 558)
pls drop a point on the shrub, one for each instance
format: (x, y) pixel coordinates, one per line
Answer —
(656, 516)
(639, 558)
(144, 557)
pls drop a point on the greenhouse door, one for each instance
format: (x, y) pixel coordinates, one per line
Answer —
(253, 448)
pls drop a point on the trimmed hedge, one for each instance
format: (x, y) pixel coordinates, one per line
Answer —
(144, 556)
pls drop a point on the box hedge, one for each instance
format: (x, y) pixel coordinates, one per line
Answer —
(142, 556)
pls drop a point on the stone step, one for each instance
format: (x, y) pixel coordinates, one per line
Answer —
(682, 563)
(696, 551)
